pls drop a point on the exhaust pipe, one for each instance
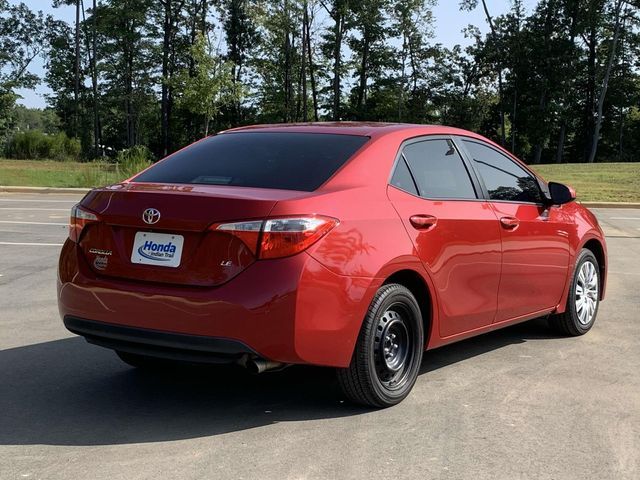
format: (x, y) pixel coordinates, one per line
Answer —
(259, 365)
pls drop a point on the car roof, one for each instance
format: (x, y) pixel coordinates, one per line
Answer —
(369, 129)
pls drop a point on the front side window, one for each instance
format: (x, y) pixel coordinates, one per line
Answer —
(504, 179)
(438, 170)
(289, 161)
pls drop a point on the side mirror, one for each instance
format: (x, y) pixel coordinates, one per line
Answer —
(560, 194)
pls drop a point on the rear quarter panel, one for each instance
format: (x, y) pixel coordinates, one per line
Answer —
(353, 260)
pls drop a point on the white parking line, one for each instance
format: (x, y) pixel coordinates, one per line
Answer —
(32, 244)
(34, 223)
(37, 209)
(624, 218)
(41, 201)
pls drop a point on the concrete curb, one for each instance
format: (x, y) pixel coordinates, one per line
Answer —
(7, 189)
(611, 204)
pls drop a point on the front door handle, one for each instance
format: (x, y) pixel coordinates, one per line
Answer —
(423, 222)
(510, 223)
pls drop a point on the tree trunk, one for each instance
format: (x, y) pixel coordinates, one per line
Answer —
(544, 94)
(203, 18)
(129, 55)
(166, 51)
(621, 136)
(303, 63)
(513, 120)
(503, 135)
(567, 82)
(97, 128)
(605, 83)
(314, 91)
(90, 46)
(288, 85)
(76, 87)
(338, 31)
(561, 139)
(591, 88)
(363, 77)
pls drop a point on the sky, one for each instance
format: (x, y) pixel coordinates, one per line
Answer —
(449, 22)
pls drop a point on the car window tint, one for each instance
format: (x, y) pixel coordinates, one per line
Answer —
(402, 178)
(283, 160)
(504, 179)
(438, 170)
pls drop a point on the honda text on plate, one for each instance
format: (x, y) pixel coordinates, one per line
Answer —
(349, 245)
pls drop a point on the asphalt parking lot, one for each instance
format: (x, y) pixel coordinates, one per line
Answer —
(517, 403)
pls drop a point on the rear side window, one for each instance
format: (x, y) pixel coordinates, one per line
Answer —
(402, 178)
(504, 179)
(438, 170)
(289, 161)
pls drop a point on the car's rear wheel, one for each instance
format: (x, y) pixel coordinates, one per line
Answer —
(387, 356)
(583, 299)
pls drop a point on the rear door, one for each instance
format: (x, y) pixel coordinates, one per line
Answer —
(535, 244)
(455, 233)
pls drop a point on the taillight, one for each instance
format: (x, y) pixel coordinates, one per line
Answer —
(80, 218)
(279, 237)
(248, 232)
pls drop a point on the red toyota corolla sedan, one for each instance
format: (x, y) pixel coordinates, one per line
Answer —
(348, 245)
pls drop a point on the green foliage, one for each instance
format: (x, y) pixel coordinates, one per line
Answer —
(209, 86)
(133, 160)
(45, 120)
(153, 73)
(34, 145)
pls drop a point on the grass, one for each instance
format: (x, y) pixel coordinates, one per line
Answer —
(597, 182)
(48, 173)
(601, 182)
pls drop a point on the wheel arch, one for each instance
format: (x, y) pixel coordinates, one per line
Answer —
(420, 289)
(596, 247)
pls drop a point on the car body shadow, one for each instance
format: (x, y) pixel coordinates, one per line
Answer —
(67, 392)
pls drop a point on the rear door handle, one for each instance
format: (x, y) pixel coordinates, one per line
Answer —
(510, 222)
(423, 222)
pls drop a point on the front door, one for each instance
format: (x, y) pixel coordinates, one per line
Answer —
(535, 244)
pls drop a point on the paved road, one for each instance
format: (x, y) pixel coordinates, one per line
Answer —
(518, 403)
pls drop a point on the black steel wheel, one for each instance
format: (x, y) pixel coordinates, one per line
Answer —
(387, 356)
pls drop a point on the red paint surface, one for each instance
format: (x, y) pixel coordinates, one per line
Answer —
(308, 308)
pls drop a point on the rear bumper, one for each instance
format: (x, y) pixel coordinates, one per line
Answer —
(289, 310)
(189, 348)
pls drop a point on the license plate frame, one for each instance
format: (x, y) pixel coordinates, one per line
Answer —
(159, 249)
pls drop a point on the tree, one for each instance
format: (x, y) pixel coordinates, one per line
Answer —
(241, 35)
(369, 46)
(210, 88)
(338, 11)
(470, 5)
(605, 82)
(23, 37)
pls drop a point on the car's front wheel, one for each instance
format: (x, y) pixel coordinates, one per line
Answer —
(583, 299)
(387, 356)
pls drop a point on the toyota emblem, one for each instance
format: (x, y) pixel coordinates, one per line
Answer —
(151, 216)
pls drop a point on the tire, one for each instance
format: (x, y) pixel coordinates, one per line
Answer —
(382, 378)
(583, 299)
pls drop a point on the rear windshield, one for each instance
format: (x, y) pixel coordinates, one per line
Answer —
(289, 161)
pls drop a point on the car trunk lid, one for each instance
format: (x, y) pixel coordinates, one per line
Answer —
(181, 229)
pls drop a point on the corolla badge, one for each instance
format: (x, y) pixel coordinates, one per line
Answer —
(151, 216)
